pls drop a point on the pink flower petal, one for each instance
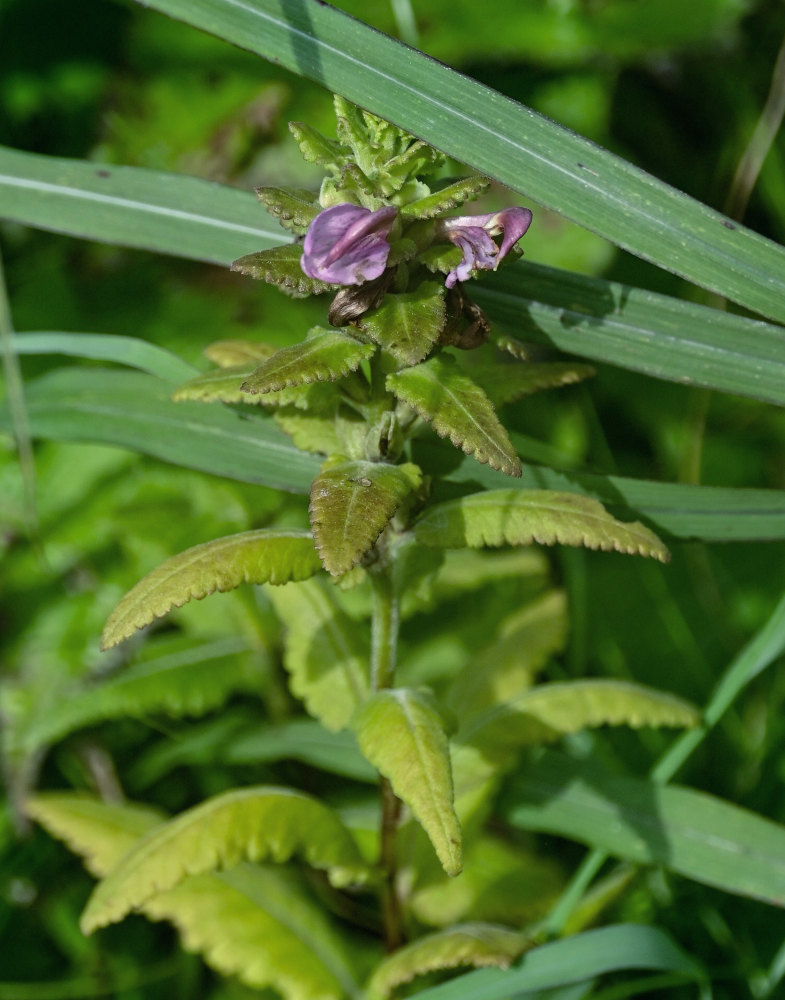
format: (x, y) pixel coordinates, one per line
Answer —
(347, 244)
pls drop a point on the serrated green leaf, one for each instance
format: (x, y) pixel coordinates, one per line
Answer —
(521, 517)
(475, 944)
(506, 383)
(327, 355)
(407, 325)
(227, 353)
(549, 711)
(281, 266)
(440, 393)
(189, 682)
(351, 504)
(294, 208)
(261, 556)
(521, 647)
(317, 148)
(255, 922)
(221, 385)
(325, 654)
(465, 189)
(309, 431)
(401, 733)
(440, 259)
(252, 824)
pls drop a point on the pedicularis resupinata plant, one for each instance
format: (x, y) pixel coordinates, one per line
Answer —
(404, 353)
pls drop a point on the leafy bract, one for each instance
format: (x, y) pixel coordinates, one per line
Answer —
(261, 556)
(220, 385)
(280, 266)
(549, 711)
(352, 503)
(475, 944)
(521, 517)
(227, 353)
(506, 382)
(457, 408)
(465, 189)
(294, 208)
(255, 921)
(191, 681)
(325, 355)
(325, 654)
(408, 324)
(401, 733)
(252, 824)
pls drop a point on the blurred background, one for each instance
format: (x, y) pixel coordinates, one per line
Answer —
(676, 87)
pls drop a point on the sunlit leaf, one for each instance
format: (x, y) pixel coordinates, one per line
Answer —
(227, 353)
(521, 517)
(352, 503)
(407, 324)
(325, 654)
(221, 385)
(401, 733)
(505, 383)
(465, 189)
(255, 922)
(326, 355)
(465, 944)
(280, 266)
(261, 556)
(251, 824)
(440, 393)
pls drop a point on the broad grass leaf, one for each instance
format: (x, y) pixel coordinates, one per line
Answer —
(226, 353)
(476, 944)
(326, 355)
(457, 408)
(325, 654)
(522, 646)
(255, 922)
(549, 711)
(248, 824)
(401, 733)
(522, 517)
(281, 266)
(189, 682)
(408, 324)
(352, 502)
(261, 556)
(221, 385)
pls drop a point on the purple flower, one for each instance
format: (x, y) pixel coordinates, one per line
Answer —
(472, 233)
(347, 245)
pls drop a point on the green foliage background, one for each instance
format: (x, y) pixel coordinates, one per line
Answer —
(677, 89)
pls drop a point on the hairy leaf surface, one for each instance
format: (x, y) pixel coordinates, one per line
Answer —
(294, 208)
(408, 324)
(521, 517)
(465, 189)
(252, 824)
(222, 385)
(475, 944)
(325, 653)
(281, 266)
(401, 733)
(352, 503)
(255, 922)
(326, 355)
(506, 382)
(261, 556)
(440, 393)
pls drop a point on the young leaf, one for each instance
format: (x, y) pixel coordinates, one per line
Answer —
(255, 922)
(401, 733)
(281, 266)
(312, 432)
(326, 355)
(317, 148)
(352, 503)
(221, 385)
(549, 711)
(505, 383)
(252, 824)
(465, 189)
(474, 945)
(521, 517)
(294, 208)
(441, 394)
(522, 645)
(260, 556)
(325, 653)
(226, 353)
(408, 324)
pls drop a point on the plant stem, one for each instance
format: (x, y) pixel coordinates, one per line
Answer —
(384, 645)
